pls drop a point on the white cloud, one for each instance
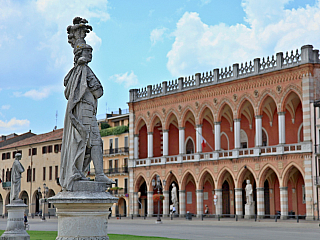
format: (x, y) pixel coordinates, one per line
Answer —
(5, 107)
(156, 35)
(14, 124)
(272, 28)
(205, 2)
(93, 40)
(47, 20)
(38, 94)
(128, 79)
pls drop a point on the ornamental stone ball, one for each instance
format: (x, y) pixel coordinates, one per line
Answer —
(17, 169)
(81, 140)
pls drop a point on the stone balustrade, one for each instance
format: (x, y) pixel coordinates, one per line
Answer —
(303, 147)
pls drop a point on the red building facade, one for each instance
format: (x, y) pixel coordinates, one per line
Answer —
(210, 132)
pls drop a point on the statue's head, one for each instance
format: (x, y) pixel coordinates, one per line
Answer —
(76, 37)
(82, 54)
(173, 185)
(248, 181)
(18, 156)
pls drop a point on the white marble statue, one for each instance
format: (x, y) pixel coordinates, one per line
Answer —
(81, 140)
(174, 196)
(249, 193)
(16, 171)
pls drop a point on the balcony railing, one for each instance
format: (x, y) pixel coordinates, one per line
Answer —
(6, 184)
(123, 150)
(119, 192)
(116, 170)
(302, 147)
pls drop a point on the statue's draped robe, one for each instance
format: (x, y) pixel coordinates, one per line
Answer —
(76, 135)
(17, 169)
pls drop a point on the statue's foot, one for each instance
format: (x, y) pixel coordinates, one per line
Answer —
(103, 178)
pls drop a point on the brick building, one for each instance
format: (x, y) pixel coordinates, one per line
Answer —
(210, 132)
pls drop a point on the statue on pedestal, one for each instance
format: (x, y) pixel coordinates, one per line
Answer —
(249, 193)
(16, 171)
(250, 204)
(15, 226)
(174, 197)
(81, 140)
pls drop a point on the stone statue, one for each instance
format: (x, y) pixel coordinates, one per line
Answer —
(81, 140)
(17, 169)
(249, 192)
(174, 196)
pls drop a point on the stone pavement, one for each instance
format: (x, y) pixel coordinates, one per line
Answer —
(209, 228)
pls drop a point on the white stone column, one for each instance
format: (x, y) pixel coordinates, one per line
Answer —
(282, 127)
(238, 200)
(217, 139)
(182, 203)
(150, 144)
(260, 202)
(136, 146)
(135, 204)
(284, 202)
(258, 131)
(166, 202)
(181, 140)
(165, 142)
(199, 193)
(237, 133)
(198, 138)
(308, 187)
(150, 203)
(219, 201)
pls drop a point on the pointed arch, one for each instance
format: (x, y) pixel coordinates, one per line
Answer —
(141, 121)
(171, 117)
(139, 181)
(152, 176)
(227, 113)
(246, 109)
(287, 91)
(245, 98)
(156, 118)
(263, 172)
(244, 171)
(287, 172)
(188, 115)
(222, 177)
(171, 176)
(264, 95)
(203, 177)
(184, 179)
(206, 112)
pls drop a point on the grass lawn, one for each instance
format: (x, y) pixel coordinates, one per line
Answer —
(51, 235)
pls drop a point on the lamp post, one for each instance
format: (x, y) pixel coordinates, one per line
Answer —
(44, 195)
(157, 185)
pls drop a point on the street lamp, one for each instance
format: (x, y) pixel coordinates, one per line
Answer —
(157, 185)
(44, 195)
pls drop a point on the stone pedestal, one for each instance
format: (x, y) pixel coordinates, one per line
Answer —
(249, 211)
(83, 212)
(15, 224)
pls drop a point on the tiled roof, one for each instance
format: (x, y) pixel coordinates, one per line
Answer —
(50, 136)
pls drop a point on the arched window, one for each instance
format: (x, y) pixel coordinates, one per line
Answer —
(265, 141)
(189, 146)
(243, 139)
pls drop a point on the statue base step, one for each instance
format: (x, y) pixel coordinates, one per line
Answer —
(83, 212)
(15, 222)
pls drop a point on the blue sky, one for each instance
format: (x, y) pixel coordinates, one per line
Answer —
(136, 43)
